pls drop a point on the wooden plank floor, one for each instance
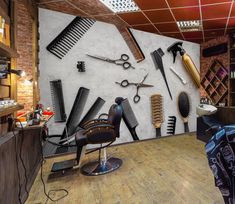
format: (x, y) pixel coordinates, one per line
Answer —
(170, 170)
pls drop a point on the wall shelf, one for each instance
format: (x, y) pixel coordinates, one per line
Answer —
(11, 109)
(6, 51)
(5, 15)
(231, 87)
(215, 82)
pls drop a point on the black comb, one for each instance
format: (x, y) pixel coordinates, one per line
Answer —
(157, 59)
(58, 101)
(129, 118)
(61, 45)
(171, 125)
(81, 66)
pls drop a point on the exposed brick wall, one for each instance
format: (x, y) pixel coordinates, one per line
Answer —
(206, 62)
(25, 61)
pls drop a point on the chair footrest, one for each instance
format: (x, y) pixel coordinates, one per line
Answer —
(64, 165)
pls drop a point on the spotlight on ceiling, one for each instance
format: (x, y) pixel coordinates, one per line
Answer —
(119, 6)
(20, 73)
(189, 26)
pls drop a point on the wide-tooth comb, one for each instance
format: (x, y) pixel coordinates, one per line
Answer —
(171, 125)
(157, 112)
(68, 37)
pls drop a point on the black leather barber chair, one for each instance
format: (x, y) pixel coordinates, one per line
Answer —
(220, 151)
(204, 124)
(97, 131)
(100, 131)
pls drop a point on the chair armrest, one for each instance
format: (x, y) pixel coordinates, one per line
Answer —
(103, 114)
(90, 123)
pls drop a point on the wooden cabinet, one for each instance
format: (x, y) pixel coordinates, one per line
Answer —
(215, 83)
(8, 53)
(21, 145)
(12, 173)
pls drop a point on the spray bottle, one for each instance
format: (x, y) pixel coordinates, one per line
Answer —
(187, 61)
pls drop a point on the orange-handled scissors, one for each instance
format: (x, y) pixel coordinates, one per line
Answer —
(126, 83)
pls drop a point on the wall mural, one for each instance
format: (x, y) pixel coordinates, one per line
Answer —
(159, 94)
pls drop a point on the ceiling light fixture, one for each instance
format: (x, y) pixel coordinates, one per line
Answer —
(187, 26)
(118, 6)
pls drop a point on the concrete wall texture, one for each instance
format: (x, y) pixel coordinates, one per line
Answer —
(100, 77)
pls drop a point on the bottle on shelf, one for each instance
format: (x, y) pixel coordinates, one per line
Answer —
(232, 74)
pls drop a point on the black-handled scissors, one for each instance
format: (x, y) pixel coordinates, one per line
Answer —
(123, 61)
(126, 83)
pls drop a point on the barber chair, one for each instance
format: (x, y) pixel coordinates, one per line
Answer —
(204, 124)
(220, 151)
(97, 131)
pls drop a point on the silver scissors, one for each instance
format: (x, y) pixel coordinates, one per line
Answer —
(122, 61)
(126, 83)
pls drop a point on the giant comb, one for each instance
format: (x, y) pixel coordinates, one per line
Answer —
(157, 112)
(58, 100)
(61, 45)
(129, 118)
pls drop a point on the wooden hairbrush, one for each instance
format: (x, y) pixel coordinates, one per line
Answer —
(157, 112)
(184, 108)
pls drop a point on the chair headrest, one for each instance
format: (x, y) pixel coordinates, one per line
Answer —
(119, 100)
(115, 116)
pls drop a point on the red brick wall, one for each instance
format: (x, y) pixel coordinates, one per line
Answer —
(207, 61)
(25, 61)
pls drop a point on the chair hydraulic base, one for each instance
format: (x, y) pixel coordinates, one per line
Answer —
(96, 168)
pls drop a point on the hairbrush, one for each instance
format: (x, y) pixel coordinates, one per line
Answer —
(157, 112)
(184, 108)
(171, 125)
(81, 66)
